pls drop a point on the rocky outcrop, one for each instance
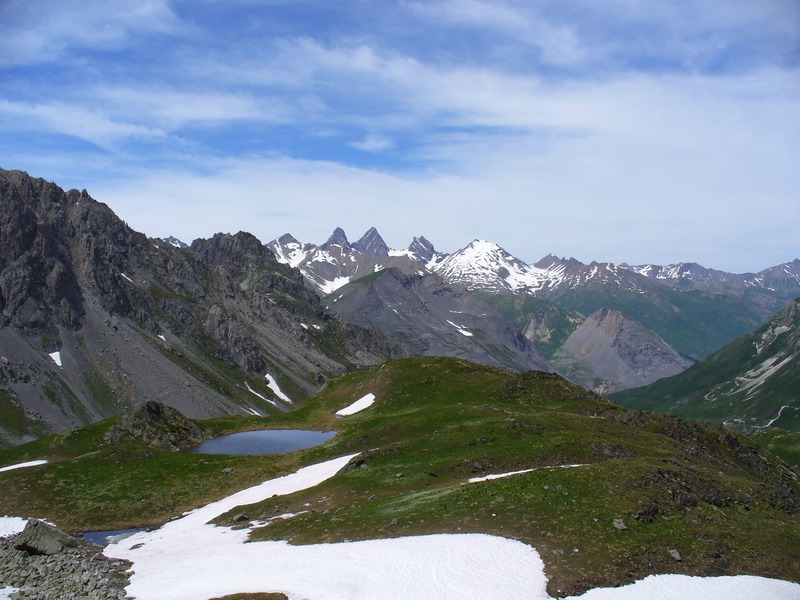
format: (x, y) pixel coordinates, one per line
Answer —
(44, 563)
(157, 425)
(40, 538)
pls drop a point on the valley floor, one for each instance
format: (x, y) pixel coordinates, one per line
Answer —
(188, 558)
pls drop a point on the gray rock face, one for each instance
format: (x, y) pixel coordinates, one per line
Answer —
(157, 425)
(371, 243)
(608, 353)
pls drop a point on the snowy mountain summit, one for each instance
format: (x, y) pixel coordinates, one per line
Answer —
(485, 266)
(338, 261)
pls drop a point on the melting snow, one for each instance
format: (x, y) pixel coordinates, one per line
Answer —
(25, 465)
(188, 558)
(56, 356)
(252, 391)
(755, 377)
(273, 385)
(461, 330)
(11, 525)
(357, 406)
(681, 587)
(328, 287)
(511, 473)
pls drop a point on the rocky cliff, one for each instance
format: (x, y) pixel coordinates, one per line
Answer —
(95, 317)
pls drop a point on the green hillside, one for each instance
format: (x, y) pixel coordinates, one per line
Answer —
(752, 382)
(644, 484)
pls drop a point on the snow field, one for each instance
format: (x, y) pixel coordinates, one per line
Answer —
(190, 559)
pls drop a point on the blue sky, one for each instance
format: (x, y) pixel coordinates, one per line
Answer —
(614, 130)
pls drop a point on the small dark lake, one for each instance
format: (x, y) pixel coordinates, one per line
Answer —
(266, 441)
(104, 538)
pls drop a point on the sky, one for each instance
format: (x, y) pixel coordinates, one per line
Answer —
(638, 131)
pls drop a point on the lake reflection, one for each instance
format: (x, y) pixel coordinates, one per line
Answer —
(266, 441)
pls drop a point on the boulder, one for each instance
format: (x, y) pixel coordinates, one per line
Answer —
(39, 538)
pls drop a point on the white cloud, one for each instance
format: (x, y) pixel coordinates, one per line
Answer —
(374, 142)
(38, 30)
(78, 121)
(597, 155)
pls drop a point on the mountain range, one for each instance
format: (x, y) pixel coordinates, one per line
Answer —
(96, 317)
(694, 309)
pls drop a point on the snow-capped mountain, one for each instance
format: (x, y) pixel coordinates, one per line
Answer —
(785, 276)
(434, 319)
(335, 263)
(485, 266)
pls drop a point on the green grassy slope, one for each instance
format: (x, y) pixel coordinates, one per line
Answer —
(725, 505)
(750, 379)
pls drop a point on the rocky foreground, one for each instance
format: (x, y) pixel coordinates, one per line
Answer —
(45, 563)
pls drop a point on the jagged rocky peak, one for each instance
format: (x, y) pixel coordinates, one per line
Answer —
(338, 238)
(371, 243)
(288, 239)
(551, 260)
(173, 241)
(227, 249)
(289, 250)
(421, 249)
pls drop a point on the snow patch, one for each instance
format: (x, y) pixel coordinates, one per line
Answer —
(680, 587)
(189, 558)
(56, 356)
(11, 526)
(206, 561)
(273, 385)
(511, 473)
(161, 337)
(755, 377)
(461, 330)
(25, 465)
(252, 391)
(357, 406)
(126, 277)
(328, 287)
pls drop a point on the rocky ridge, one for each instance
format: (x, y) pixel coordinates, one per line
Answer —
(95, 317)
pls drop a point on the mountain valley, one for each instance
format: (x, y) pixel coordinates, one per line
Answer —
(440, 377)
